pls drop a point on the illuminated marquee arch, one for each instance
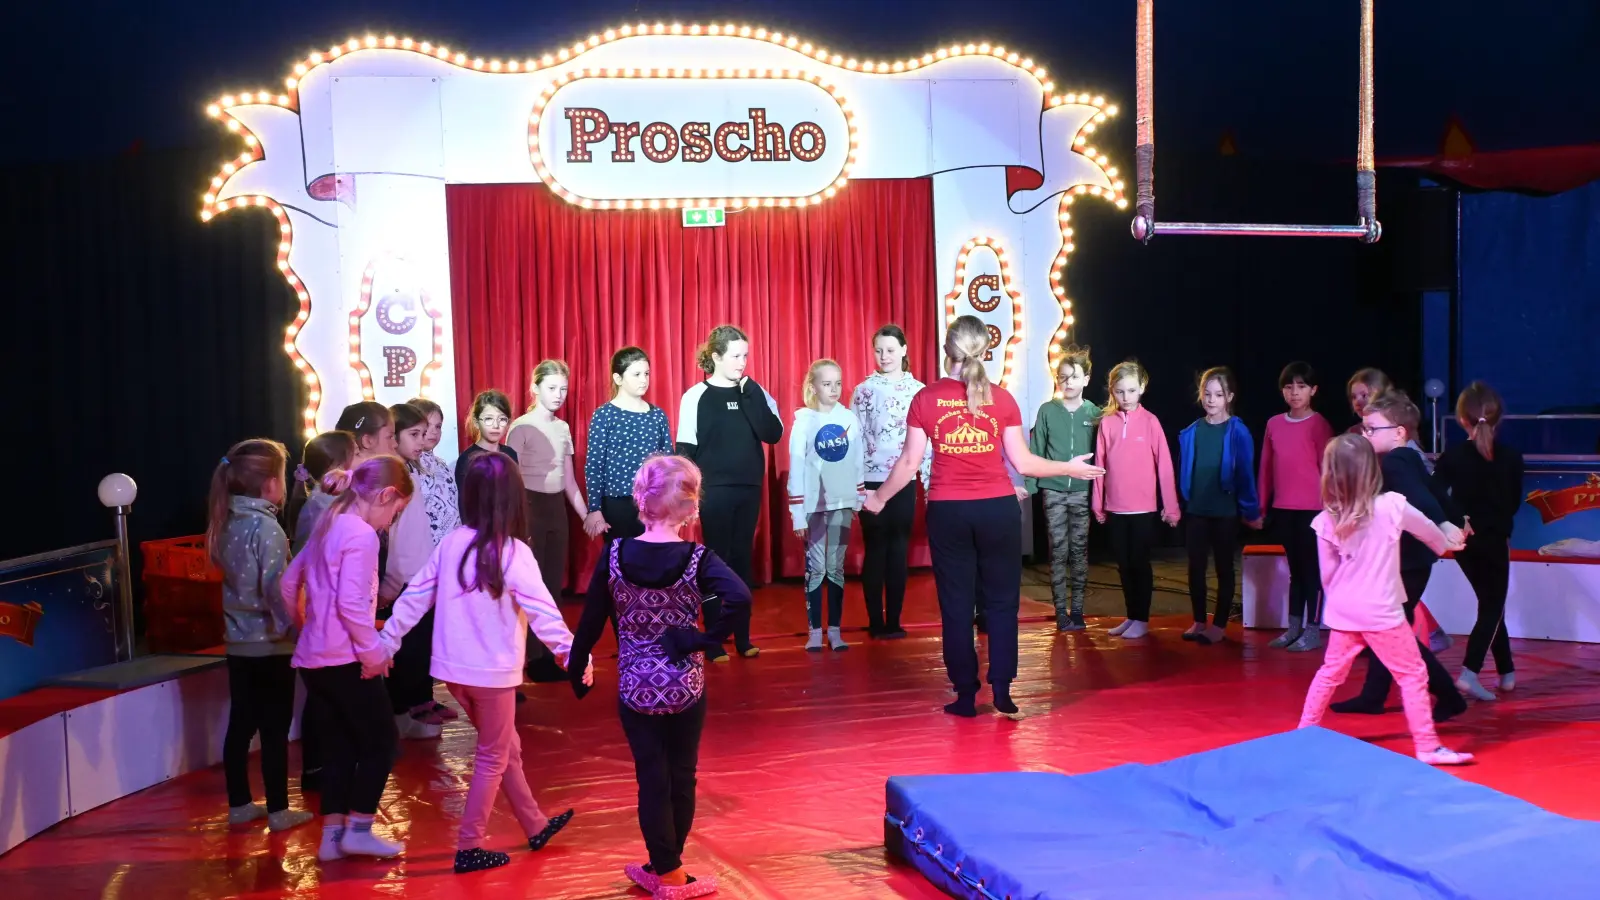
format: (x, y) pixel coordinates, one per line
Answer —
(344, 205)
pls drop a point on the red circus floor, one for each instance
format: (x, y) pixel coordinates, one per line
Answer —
(792, 769)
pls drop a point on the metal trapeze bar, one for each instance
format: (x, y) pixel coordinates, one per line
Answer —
(1217, 228)
(1144, 226)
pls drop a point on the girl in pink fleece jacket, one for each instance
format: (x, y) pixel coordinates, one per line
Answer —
(339, 656)
(1133, 449)
(1358, 544)
(485, 591)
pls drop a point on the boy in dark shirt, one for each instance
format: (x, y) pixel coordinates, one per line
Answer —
(1389, 422)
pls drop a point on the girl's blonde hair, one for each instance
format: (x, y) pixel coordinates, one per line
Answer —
(1224, 377)
(544, 370)
(365, 482)
(1352, 478)
(245, 471)
(1375, 380)
(1128, 368)
(808, 391)
(667, 490)
(717, 344)
(1480, 407)
(965, 343)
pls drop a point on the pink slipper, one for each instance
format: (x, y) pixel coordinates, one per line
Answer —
(641, 875)
(697, 887)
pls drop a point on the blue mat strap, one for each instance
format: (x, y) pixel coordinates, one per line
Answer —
(952, 869)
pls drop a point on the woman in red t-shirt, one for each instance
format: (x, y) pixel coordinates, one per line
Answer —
(974, 522)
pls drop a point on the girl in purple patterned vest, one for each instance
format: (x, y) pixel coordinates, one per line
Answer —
(651, 589)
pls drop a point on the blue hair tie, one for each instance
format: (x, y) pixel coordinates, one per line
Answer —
(224, 460)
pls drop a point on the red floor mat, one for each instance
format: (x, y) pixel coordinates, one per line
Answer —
(796, 752)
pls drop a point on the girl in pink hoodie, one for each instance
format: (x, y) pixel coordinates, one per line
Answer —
(339, 656)
(485, 591)
(1133, 449)
(1358, 545)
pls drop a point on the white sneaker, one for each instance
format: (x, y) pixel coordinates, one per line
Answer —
(367, 843)
(1117, 631)
(1135, 630)
(413, 730)
(1444, 756)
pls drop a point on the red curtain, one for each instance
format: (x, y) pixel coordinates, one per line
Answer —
(533, 277)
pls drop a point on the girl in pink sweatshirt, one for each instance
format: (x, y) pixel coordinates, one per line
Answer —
(1358, 544)
(485, 592)
(1291, 463)
(339, 656)
(1138, 480)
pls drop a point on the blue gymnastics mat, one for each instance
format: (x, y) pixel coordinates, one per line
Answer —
(1305, 814)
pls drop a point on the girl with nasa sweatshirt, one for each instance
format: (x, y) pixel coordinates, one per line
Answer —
(825, 489)
(1133, 449)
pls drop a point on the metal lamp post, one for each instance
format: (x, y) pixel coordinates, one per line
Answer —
(117, 493)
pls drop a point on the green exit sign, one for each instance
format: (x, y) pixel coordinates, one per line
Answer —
(707, 217)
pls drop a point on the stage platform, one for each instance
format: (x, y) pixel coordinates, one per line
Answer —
(797, 749)
(1309, 814)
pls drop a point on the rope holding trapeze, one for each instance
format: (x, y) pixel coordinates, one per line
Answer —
(1144, 226)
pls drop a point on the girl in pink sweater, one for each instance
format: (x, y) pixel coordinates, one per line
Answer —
(1133, 449)
(1358, 542)
(1291, 461)
(485, 592)
(339, 656)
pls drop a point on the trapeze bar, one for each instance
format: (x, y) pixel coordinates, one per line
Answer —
(1145, 225)
(1214, 228)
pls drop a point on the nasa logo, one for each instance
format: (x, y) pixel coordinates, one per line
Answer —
(832, 442)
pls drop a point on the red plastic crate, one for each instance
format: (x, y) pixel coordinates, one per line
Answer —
(183, 557)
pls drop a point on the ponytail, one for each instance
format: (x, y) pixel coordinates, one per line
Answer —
(244, 472)
(1480, 408)
(964, 344)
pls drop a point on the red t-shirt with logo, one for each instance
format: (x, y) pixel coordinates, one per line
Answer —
(969, 460)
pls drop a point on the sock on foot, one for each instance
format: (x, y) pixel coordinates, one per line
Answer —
(835, 640)
(964, 706)
(814, 640)
(285, 819)
(477, 859)
(249, 812)
(1508, 681)
(332, 836)
(1003, 704)
(1136, 630)
(1289, 636)
(1468, 683)
(1117, 631)
(360, 840)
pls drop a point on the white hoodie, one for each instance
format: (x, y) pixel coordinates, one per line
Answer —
(825, 462)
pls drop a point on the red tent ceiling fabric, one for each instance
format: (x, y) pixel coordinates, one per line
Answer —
(1544, 170)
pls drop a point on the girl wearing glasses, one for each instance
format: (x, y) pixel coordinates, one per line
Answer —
(487, 426)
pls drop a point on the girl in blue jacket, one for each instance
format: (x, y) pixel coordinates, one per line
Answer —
(1216, 477)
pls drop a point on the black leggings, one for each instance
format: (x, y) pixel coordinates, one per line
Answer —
(410, 682)
(666, 753)
(1305, 572)
(1133, 535)
(261, 697)
(1212, 537)
(1488, 570)
(358, 736)
(623, 516)
(886, 537)
(728, 516)
(1375, 690)
(976, 546)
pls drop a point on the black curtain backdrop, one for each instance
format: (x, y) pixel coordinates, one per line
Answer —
(140, 341)
(146, 342)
